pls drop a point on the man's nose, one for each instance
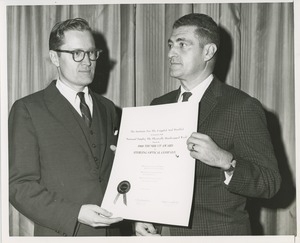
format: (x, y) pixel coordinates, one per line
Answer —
(172, 52)
(86, 60)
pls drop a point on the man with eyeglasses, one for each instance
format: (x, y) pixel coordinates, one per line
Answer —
(59, 142)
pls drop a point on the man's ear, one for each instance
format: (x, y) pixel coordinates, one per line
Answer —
(209, 51)
(54, 57)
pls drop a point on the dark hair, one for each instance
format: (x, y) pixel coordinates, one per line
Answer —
(56, 38)
(207, 29)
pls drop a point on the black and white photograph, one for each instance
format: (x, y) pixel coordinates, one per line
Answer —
(149, 121)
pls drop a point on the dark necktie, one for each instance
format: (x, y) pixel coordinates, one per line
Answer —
(186, 96)
(85, 111)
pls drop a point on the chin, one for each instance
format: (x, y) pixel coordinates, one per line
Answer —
(89, 82)
(85, 82)
(87, 79)
(175, 75)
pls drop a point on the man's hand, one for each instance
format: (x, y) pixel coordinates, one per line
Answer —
(95, 216)
(145, 229)
(203, 148)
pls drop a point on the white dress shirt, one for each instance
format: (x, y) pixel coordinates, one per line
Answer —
(73, 98)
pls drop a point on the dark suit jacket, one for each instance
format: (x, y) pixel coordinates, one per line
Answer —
(56, 163)
(236, 122)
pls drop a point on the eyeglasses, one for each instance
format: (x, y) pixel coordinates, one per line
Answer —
(79, 55)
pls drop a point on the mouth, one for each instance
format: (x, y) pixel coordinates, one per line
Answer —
(84, 71)
(174, 64)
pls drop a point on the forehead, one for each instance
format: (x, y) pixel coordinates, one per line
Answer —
(78, 39)
(184, 32)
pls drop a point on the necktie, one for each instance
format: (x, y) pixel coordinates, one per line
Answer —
(186, 96)
(85, 111)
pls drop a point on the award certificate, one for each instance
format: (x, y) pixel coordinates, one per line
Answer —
(152, 178)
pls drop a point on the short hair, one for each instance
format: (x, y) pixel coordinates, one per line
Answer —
(207, 29)
(56, 38)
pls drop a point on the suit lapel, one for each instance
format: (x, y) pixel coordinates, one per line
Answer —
(99, 110)
(209, 101)
(171, 97)
(61, 110)
(174, 98)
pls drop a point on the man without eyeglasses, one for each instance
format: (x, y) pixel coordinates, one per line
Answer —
(59, 142)
(232, 147)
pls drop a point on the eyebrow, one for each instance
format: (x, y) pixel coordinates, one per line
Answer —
(179, 39)
(80, 49)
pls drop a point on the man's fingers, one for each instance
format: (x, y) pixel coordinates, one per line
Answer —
(96, 216)
(198, 135)
(102, 211)
(103, 221)
(151, 229)
(145, 229)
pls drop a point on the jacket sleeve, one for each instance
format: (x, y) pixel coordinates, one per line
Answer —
(256, 173)
(26, 191)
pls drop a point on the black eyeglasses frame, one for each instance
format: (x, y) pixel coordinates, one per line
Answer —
(98, 51)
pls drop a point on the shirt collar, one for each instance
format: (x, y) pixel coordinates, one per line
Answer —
(198, 91)
(71, 94)
(66, 90)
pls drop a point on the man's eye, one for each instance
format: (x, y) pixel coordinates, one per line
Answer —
(77, 53)
(169, 45)
(181, 44)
